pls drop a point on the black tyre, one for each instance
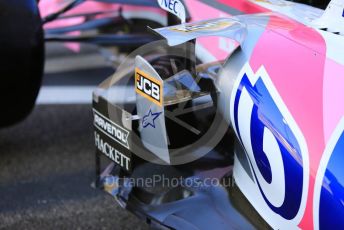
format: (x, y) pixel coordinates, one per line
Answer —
(21, 58)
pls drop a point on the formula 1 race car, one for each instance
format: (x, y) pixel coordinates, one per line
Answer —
(233, 120)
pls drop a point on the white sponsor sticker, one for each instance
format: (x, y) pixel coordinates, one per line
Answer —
(112, 153)
(111, 129)
(175, 7)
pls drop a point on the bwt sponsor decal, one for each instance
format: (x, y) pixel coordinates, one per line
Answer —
(111, 152)
(328, 200)
(275, 146)
(111, 129)
(148, 87)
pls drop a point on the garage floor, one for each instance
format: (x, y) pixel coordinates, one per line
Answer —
(47, 161)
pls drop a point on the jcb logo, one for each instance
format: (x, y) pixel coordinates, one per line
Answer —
(148, 87)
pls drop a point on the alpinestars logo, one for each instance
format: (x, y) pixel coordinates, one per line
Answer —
(149, 119)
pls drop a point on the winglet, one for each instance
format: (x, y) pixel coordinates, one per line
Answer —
(333, 17)
(222, 27)
(149, 103)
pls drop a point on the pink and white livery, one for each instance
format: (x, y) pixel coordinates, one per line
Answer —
(281, 91)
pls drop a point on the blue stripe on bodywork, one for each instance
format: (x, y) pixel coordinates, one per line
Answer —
(331, 210)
